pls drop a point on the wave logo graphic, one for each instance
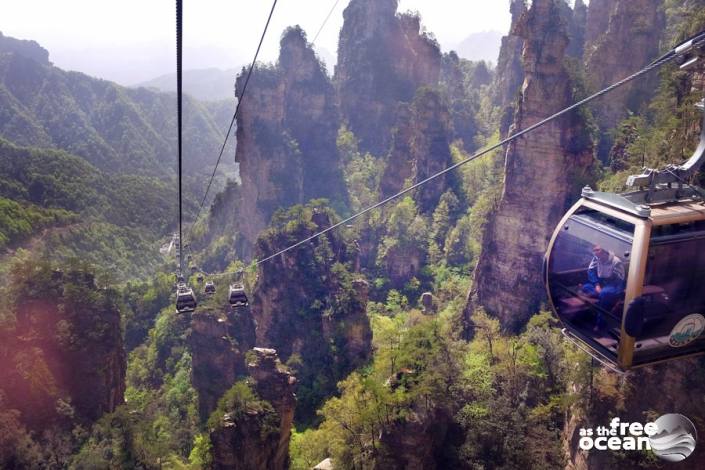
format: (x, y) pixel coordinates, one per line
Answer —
(675, 438)
(687, 330)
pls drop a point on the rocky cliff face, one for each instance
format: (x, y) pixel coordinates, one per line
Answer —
(257, 435)
(510, 72)
(251, 431)
(576, 22)
(62, 357)
(309, 306)
(218, 343)
(507, 278)
(222, 239)
(383, 58)
(276, 385)
(403, 262)
(598, 18)
(421, 148)
(117, 129)
(629, 41)
(286, 135)
(414, 443)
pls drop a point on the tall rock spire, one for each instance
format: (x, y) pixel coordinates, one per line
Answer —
(421, 147)
(623, 36)
(577, 22)
(383, 58)
(286, 137)
(310, 306)
(510, 73)
(598, 18)
(541, 170)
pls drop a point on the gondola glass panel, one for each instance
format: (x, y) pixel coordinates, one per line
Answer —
(587, 276)
(669, 321)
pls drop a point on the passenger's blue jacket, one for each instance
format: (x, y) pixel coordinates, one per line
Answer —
(607, 273)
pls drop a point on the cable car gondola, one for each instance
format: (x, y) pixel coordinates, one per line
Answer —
(237, 296)
(624, 272)
(209, 289)
(185, 299)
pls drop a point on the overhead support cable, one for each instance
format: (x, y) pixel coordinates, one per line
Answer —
(325, 21)
(179, 40)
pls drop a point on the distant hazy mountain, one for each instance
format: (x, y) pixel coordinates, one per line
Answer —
(204, 84)
(116, 129)
(480, 46)
(29, 49)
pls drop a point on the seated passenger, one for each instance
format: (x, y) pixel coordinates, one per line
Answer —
(606, 281)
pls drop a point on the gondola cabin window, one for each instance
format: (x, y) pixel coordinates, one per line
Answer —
(671, 316)
(587, 275)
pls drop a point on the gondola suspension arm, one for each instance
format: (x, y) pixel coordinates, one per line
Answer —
(650, 177)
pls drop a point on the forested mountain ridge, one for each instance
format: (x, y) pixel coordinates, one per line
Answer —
(114, 128)
(112, 221)
(30, 49)
(96, 158)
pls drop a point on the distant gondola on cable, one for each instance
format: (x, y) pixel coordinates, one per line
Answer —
(624, 272)
(237, 296)
(209, 288)
(185, 299)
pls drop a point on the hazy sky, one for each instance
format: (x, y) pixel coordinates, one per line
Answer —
(133, 40)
